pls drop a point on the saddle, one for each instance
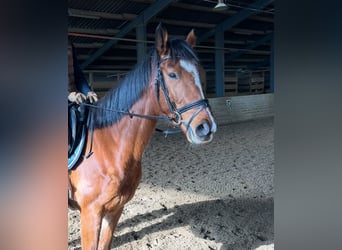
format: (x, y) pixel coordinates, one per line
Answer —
(77, 132)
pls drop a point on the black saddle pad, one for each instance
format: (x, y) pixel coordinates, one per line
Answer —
(77, 131)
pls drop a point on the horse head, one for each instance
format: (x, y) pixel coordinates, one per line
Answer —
(179, 75)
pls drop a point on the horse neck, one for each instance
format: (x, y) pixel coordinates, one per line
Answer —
(134, 132)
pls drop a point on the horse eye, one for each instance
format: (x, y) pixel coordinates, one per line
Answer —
(173, 75)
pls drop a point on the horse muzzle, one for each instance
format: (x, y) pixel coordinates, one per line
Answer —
(201, 133)
(199, 126)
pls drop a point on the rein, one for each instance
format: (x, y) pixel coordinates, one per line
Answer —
(131, 114)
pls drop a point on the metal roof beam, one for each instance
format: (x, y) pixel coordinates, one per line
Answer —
(142, 18)
(239, 17)
(249, 47)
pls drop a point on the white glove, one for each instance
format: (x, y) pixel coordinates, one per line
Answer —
(76, 97)
(92, 96)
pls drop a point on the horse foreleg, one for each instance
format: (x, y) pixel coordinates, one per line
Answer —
(109, 223)
(90, 228)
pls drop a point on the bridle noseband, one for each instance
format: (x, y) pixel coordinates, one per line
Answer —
(176, 112)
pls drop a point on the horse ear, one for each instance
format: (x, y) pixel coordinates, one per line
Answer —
(191, 38)
(161, 40)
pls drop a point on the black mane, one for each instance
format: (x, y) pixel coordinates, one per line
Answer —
(133, 85)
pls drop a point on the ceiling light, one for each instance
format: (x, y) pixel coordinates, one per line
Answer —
(220, 6)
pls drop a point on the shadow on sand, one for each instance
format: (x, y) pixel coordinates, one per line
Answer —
(235, 223)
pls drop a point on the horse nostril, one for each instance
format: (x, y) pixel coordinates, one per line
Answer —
(203, 129)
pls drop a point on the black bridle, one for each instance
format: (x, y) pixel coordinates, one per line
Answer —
(176, 112)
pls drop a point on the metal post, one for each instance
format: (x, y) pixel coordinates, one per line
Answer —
(272, 66)
(141, 46)
(91, 79)
(219, 63)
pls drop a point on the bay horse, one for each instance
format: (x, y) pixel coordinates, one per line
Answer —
(165, 85)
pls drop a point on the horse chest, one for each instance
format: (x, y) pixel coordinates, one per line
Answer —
(124, 187)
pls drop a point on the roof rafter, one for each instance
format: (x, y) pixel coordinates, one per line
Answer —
(143, 17)
(249, 47)
(239, 17)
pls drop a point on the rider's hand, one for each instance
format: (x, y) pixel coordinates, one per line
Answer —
(76, 97)
(92, 97)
